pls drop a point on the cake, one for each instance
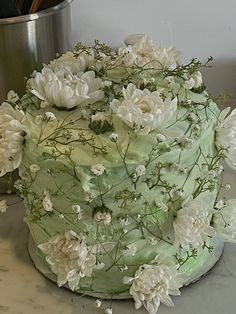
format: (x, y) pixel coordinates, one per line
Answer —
(118, 155)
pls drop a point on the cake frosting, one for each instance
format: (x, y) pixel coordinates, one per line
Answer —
(118, 154)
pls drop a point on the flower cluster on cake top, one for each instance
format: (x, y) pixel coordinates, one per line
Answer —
(96, 108)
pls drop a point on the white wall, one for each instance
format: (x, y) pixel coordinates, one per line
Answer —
(198, 28)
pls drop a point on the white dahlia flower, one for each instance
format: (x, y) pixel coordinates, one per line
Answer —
(143, 52)
(143, 109)
(12, 134)
(69, 258)
(192, 223)
(66, 89)
(153, 285)
(226, 135)
(224, 221)
(72, 63)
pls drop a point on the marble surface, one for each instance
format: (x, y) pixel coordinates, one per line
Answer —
(23, 290)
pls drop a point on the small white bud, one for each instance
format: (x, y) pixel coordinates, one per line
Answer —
(140, 170)
(34, 168)
(98, 169)
(50, 116)
(113, 137)
(98, 303)
(160, 137)
(3, 206)
(108, 310)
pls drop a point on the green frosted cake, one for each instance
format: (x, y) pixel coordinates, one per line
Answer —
(118, 154)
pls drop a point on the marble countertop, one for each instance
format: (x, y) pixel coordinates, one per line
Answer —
(23, 290)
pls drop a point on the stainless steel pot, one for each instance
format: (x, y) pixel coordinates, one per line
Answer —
(28, 41)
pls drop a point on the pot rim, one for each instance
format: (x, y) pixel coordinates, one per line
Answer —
(35, 16)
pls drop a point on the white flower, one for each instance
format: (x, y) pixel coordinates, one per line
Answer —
(192, 223)
(12, 96)
(226, 135)
(153, 241)
(227, 187)
(143, 109)
(98, 303)
(153, 285)
(179, 168)
(12, 134)
(78, 210)
(102, 217)
(185, 142)
(66, 89)
(47, 202)
(18, 185)
(224, 221)
(72, 63)
(113, 137)
(161, 138)
(108, 310)
(194, 81)
(69, 258)
(34, 168)
(98, 169)
(143, 52)
(140, 170)
(98, 116)
(50, 116)
(189, 84)
(124, 221)
(130, 250)
(3, 206)
(162, 206)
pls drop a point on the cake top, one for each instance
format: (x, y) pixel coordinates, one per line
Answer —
(87, 99)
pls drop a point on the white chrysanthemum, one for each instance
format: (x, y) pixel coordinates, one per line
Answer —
(69, 258)
(72, 63)
(143, 109)
(66, 89)
(130, 250)
(12, 133)
(226, 135)
(98, 169)
(192, 223)
(224, 221)
(143, 52)
(153, 285)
